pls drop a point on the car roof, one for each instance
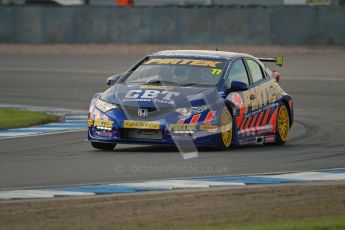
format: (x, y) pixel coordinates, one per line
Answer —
(201, 53)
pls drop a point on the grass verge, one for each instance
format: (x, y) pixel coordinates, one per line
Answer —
(13, 118)
(316, 205)
(324, 223)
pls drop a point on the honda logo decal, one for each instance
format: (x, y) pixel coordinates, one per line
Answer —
(143, 112)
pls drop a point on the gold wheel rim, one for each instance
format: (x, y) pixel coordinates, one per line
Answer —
(226, 127)
(283, 123)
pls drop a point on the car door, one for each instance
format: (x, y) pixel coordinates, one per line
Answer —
(258, 98)
(239, 72)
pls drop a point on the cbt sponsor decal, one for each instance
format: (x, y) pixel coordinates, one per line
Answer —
(151, 95)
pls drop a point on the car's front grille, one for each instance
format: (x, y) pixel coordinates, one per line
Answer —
(132, 112)
(149, 134)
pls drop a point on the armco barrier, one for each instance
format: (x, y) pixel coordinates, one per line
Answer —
(174, 25)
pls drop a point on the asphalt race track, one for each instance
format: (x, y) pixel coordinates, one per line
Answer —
(317, 140)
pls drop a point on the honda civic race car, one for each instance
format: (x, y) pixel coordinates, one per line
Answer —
(190, 97)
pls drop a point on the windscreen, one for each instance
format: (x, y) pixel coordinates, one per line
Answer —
(178, 71)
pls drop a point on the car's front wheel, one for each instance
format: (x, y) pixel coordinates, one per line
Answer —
(103, 146)
(226, 129)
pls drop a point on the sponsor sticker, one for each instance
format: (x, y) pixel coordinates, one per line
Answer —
(182, 127)
(266, 95)
(130, 124)
(192, 62)
(216, 71)
(164, 87)
(156, 96)
(104, 133)
(270, 139)
(209, 128)
(102, 123)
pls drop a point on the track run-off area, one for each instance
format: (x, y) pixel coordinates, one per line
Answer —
(317, 140)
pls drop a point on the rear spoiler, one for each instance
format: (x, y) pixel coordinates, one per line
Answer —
(277, 60)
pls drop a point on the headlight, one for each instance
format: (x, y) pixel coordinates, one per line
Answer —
(184, 111)
(105, 106)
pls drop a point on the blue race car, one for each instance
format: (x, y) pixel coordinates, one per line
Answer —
(192, 97)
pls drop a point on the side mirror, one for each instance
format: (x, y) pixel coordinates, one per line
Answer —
(276, 75)
(236, 86)
(113, 79)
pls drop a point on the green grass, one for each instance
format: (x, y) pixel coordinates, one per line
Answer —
(12, 118)
(324, 223)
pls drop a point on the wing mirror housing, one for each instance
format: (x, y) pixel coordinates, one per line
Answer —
(276, 75)
(236, 86)
(113, 79)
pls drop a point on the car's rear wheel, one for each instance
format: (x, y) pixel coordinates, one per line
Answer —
(283, 125)
(103, 146)
(226, 130)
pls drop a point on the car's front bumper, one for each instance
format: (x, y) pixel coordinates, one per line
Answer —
(111, 128)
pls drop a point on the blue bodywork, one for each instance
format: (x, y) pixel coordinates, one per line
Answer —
(254, 120)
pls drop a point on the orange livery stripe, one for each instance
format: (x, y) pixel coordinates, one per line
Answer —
(209, 117)
(195, 119)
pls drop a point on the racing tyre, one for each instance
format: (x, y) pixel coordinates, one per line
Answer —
(283, 125)
(226, 130)
(103, 146)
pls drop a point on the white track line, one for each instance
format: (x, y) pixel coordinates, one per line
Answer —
(25, 194)
(308, 176)
(178, 184)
